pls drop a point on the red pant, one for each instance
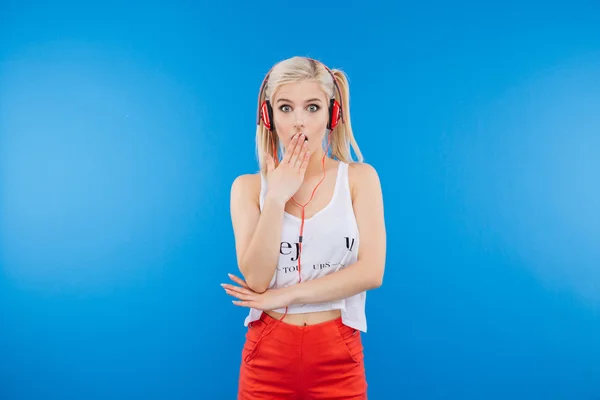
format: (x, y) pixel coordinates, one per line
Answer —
(283, 361)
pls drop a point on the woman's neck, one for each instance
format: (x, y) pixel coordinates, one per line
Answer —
(315, 165)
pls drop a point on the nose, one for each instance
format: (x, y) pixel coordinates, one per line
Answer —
(299, 118)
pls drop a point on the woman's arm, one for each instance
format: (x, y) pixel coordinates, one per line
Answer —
(257, 235)
(367, 272)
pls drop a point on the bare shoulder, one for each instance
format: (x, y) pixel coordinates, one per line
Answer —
(363, 177)
(245, 187)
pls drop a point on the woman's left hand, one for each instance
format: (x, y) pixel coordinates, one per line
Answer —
(271, 299)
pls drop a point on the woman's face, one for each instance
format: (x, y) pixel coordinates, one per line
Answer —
(301, 107)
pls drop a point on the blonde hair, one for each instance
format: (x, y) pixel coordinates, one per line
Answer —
(297, 69)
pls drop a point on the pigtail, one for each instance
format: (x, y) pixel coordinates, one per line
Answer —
(342, 136)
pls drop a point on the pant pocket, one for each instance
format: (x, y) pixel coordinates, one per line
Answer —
(351, 340)
(254, 335)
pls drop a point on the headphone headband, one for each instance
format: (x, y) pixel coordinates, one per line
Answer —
(262, 87)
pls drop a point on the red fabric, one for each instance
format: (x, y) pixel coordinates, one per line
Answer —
(283, 361)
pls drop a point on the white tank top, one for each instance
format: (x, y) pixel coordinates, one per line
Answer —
(330, 242)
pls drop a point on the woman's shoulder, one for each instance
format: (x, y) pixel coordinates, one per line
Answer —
(246, 186)
(361, 174)
(362, 170)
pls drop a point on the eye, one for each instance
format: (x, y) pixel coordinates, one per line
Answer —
(285, 108)
(314, 108)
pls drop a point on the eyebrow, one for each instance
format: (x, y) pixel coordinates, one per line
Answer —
(307, 101)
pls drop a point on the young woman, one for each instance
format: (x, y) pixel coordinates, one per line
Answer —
(297, 225)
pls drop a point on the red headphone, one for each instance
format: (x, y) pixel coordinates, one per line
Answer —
(265, 113)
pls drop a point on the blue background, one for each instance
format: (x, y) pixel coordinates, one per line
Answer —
(122, 127)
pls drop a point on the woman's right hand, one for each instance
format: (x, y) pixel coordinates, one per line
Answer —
(285, 180)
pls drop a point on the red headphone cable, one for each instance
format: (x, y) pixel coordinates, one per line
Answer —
(303, 206)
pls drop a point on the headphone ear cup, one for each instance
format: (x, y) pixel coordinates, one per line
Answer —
(335, 113)
(266, 113)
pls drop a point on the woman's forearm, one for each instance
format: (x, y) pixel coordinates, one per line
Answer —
(260, 259)
(356, 278)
